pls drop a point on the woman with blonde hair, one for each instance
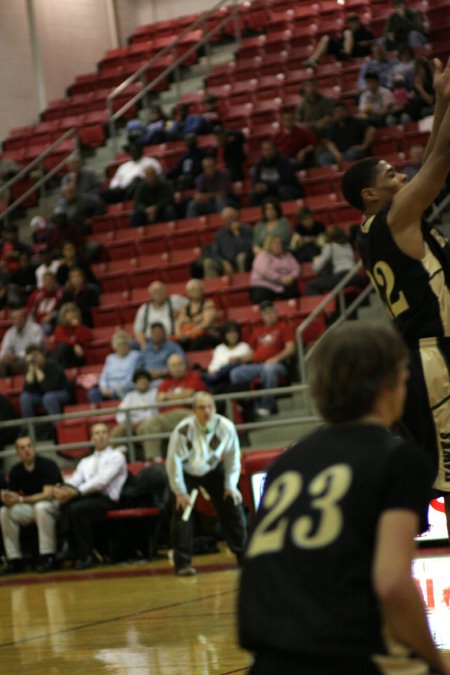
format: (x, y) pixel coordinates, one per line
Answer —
(274, 273)
(116, 378)
(70, 338)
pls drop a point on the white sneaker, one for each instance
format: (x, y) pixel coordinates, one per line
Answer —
(263, 412)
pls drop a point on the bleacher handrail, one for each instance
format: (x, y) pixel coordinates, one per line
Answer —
(37, 162)
(199, 22)
(334, 293)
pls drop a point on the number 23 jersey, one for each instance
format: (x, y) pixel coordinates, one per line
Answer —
(306, 583)
(415, 292)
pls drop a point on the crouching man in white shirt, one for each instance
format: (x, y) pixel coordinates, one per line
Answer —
(196, 449)
(92, 490)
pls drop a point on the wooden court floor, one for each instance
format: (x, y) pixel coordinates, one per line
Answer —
(140, 619)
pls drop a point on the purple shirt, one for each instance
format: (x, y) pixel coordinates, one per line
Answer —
(268, 270)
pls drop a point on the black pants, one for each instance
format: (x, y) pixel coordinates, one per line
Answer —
(231, 518)
(279, 663)
(78, 517)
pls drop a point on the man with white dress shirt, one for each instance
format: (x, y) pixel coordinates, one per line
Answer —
(23, 333)
(204, 452)
(85, 498)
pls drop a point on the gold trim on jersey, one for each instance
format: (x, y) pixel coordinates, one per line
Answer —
(439, 287)
(437, 381)
(365, 226)
(398, 660)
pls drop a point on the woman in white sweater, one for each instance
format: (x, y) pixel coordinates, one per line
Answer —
(230, 353)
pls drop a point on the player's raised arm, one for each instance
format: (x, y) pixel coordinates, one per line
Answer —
(415, 197)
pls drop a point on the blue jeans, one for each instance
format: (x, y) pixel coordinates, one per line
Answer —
(268, 373)
(195, 208)
(51, 401)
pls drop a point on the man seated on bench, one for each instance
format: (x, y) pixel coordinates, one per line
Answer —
(85, 498)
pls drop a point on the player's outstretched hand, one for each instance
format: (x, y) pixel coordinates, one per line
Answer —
(441, 79)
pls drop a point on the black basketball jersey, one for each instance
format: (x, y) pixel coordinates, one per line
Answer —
(306, 583)
(416, 292)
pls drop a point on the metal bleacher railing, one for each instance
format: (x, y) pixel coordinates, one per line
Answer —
(37, 164)
(129, 439)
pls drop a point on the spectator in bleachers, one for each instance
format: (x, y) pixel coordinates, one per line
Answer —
(45, 385)
(422, 95)
(124, 182)
(231, 250)
(153, 357)
(143, 395)
(72, 257)
(273, 176)
(415, 160)
(80, 192)
(309, 236)
(116, 378)
(334, 262)
(400, 101)
(10, 248)
(404, 27)
(214, 190)
(381, 64)
(69, 341)
(84, 295)
(183, 122)
(151, 132)
(29, 499)
(22, 280)
(181, 383)
(9, 434)
(196, 325)
(162, 308)
(154, 200)
(295, 141)
(48, 264)
(273, 223)
(227, 355)
(189, 166)
(43, 302)
(404, 67)
(60, 229)
(210, 111)
(23, 333)
(375, 102)
(87, 495)
(274, 273)
(354, 41)
(229, 151)
(350, 138)
(314, 110)
(273, 345)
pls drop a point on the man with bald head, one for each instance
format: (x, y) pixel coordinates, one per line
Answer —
(204, 452)
(153, 200)
(181, 384)
(231, 249)
(162, 308)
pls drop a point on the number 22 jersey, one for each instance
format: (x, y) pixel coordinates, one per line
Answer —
(306, 585)
(415, 292)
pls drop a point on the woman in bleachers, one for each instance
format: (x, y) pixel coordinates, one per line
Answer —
(196, 325)
(274, 273)
(70, 338)
(335, 261)
(70, 258)
(84, 295)
(273, 223)
(227, 355)
(116, 378)
(422, 95)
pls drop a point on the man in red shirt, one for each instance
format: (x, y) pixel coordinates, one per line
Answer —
(294, 141)
(272, 345)
(180, 384)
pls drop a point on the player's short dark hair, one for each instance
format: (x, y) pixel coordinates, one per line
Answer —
(349, 366)
(360, 175)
